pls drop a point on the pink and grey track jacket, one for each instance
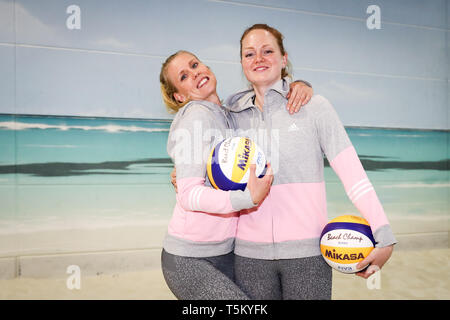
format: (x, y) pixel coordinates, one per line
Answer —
(204, 219)
(288, 223)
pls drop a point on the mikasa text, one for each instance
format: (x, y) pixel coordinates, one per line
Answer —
(343, 256)
(243, 158)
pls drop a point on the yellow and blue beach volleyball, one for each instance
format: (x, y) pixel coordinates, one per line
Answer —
(345, 241)
(228, 163)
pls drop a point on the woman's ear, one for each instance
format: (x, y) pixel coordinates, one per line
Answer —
(179, 97)
(285, 60)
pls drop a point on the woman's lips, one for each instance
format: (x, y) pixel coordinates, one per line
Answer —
(260, 68)
(202, 82)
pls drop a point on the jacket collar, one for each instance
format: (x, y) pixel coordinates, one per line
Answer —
(244, 99)
(209, 105)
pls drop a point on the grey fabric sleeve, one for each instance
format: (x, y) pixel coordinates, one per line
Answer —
(186, 144)
(241, 199)
(331, 132)
(384, 236)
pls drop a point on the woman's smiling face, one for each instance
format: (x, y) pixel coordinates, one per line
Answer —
(193, 80)
(261, 59)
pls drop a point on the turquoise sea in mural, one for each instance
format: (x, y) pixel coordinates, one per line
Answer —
(68, 172)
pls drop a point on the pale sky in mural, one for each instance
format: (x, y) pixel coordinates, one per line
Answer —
(395, 76)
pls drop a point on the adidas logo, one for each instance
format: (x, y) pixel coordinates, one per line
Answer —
(293, 127)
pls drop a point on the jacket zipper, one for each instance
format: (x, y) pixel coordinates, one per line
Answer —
(268, 127)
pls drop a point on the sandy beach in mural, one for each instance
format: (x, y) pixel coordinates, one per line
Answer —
(410, 274)
(429, 232)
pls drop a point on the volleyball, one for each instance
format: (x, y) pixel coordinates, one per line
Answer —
(345, 241)
(229, 162)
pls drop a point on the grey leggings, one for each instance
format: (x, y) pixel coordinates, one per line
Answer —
(208, 278)
(288, 279)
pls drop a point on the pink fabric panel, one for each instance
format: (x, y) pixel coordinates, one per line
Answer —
(194, 196)
(372, 210)
(358, 187)
(255, 223)
(290, 212)
(202, 226)
(348, 167)
(177, 222)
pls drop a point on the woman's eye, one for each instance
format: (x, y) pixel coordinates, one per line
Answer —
(195, 65)
(248, 55)
(184, 76)
(268, 51)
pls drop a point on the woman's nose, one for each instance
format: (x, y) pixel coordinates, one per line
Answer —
(196, 73)
(259, 57)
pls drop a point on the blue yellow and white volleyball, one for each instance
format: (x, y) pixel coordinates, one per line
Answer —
(345, 241)
(229, 162)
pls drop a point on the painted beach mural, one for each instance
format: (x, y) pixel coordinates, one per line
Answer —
(83, 131)
(100, 173)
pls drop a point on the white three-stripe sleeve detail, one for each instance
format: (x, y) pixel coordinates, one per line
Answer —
(355, 186)
(359, 189)
(197, 198)
(192, 197)
(363, 192)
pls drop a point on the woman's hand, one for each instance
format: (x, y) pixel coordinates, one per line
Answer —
(259, 187)
(173, 178)
(377, 258)
(299, 95)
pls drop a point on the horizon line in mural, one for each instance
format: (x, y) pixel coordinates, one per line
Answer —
(59, 169)
(169, 120)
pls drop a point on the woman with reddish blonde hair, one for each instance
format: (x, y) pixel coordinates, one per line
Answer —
(277, 243)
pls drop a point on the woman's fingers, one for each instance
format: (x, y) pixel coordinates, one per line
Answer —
(376, 260)
(291, 104)
(173, 179)
(259, 187)
(298, 98)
